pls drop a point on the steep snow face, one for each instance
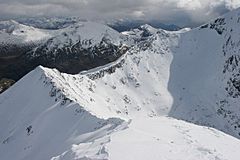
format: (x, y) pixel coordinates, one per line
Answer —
(140, 85)
(42, 122)
(204, 79)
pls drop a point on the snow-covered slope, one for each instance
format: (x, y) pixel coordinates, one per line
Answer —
(204, 79)
(121, 110)
(158, 138)
(56, 124)
(166, 138)
(85, 34)
(13, 32)
(48, 123)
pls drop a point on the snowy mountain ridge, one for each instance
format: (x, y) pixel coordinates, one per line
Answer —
(80, 46)
(67, 110)
(122, 110)
(89, 34)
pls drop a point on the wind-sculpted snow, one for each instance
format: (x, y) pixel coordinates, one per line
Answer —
(122, 110)
(43, 121)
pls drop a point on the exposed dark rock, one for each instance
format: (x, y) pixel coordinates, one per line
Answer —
(72, 58)
(5, 84)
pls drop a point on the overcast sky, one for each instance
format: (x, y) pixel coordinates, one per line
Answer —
(180, 12)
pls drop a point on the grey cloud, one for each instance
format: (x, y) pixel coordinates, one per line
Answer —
(180, 12)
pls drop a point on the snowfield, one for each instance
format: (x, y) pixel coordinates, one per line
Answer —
(169, 139)
(173, 95)
(158, 138)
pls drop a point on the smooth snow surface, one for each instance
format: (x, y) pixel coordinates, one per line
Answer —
(169, 139)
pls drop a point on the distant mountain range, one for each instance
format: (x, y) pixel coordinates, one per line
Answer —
(56, 42)
(119, 25)
(126, 25)
(79, 46)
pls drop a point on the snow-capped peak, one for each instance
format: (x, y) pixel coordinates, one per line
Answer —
(147, 27)
(89, 32)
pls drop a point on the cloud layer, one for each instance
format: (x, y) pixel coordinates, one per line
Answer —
(180, 12)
